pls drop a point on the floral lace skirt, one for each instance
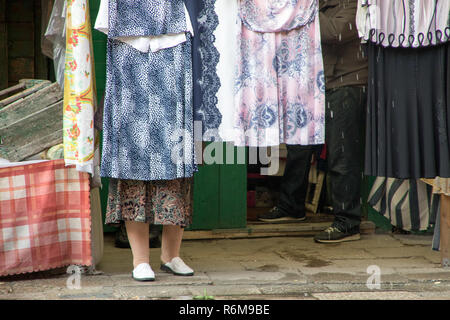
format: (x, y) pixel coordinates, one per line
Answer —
(162, 202)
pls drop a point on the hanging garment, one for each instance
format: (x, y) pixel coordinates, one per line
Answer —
(408, 204)
(408, 116)
(280, 79)
(258, 81)
(81, 147)
(404, 23)
(408, 120)
(148, 120)
(216, 25)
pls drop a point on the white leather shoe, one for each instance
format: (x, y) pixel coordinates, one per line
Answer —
(177, 267)
(143, 272)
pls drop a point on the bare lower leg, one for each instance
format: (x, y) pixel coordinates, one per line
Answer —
(171, 243)
(138, 235)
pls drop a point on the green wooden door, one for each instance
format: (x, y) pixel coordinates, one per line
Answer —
(220, 194)
(220, 191)
(99, 43)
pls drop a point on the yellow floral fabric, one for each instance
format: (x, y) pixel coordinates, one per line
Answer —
(79, 88)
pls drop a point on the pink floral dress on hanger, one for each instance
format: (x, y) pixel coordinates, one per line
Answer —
(280, 85)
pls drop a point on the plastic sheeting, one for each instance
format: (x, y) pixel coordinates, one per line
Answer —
(55, 48)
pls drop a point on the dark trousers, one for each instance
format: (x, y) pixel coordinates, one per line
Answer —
(294, 182)
(345, 123)
(345, 108)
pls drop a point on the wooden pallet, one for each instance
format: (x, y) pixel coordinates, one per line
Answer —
(31, 120)
(314, 191)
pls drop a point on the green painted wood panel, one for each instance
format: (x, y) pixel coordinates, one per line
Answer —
(233, 191)
(220, 193)
(99, 43)
(206, 198)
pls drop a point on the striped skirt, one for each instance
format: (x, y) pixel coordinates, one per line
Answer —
(409, 204)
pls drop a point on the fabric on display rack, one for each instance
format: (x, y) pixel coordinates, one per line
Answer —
(45, 217)
(273, 97)
(404, 23)
(148, 116)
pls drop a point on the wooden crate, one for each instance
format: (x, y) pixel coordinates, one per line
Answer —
(31, 120)
(314, 191)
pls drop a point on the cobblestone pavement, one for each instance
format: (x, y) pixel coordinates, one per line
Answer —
(254, 269)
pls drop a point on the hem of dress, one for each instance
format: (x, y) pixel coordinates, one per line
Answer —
(118, 177)
(120, 221)
(404, 177)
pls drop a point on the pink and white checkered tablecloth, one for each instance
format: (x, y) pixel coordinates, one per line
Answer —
(45, 219)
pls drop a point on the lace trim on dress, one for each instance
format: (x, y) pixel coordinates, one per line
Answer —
(209, 82)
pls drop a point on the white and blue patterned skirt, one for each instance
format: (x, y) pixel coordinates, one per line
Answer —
(148, 116)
